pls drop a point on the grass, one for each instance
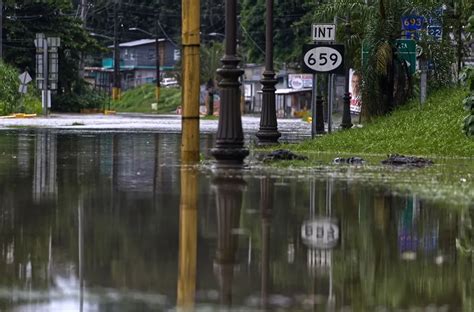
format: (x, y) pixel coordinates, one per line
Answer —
(432, 130)
(139, 100)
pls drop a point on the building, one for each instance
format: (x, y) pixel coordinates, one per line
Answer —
(137, 64)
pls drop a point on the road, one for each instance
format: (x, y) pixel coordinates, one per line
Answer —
(296, 128)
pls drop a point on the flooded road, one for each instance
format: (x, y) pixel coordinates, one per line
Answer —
(95, 221)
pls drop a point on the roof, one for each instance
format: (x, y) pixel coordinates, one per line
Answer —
(137, 43)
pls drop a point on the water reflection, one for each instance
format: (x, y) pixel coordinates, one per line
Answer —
(99, 222)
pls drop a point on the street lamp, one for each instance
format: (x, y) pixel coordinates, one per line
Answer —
(157, 59)
(230, 148)
(268, 133)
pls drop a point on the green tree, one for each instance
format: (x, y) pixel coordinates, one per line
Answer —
(53, 18)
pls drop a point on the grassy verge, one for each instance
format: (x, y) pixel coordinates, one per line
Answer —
(432, 130)
(139, 100)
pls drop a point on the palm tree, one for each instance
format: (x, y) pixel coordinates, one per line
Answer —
(375, 25)
(211, 55)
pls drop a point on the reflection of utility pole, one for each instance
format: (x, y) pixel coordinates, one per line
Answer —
(187, 239)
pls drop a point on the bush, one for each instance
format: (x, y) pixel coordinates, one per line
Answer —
(9, 95)
(12, 101)
(81, 97)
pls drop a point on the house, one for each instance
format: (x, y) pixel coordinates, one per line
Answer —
(137, 64)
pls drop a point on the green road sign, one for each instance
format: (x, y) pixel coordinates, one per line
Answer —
(406, 51)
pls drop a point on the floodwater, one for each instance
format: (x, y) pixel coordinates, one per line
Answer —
(104, 221)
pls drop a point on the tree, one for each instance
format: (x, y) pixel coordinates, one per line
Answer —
(53, 18)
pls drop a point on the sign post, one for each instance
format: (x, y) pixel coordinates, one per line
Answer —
(46, 67)
(318, 60)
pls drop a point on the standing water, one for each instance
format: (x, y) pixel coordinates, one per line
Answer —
(111, 222)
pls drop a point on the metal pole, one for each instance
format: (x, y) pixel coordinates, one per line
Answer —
(46, 74)
(313, 105)
(116, 86)
(423, 80)
(346, 122)
(330, 100)
(1, 29)
(268, 133)
(230, 148)
(190, 73)
(157, 61)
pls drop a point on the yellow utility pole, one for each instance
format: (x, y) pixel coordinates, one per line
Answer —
(190, 78)
(187, 239)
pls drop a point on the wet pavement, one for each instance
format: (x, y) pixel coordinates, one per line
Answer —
(111, 221)
(146, 123)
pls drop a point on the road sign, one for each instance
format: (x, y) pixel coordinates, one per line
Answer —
(23, 88)
(436, 32)
(320, 58)
(25, 78)
(324, 32)
(406, 50)
(321, 233)
(412, 22)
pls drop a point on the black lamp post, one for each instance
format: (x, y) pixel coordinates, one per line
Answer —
(346, 122)
(268, 132)
(230, 148)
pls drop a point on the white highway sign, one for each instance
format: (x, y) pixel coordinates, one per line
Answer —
(324, 32)
(323, 58)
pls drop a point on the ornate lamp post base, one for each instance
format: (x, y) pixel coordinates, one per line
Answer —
(346, 122)
(268, 133)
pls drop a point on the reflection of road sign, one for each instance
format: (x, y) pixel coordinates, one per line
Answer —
(323, 58)
(412, 22)
(324, 32)
(406, 50)
(321, 233)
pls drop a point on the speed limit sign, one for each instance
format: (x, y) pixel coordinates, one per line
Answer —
(318, 58)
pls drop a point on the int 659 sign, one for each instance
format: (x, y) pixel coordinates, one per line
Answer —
(328, 59)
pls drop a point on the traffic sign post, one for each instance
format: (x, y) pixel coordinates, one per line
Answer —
(47, 67)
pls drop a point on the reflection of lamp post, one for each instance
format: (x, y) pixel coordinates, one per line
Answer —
(157, 59)
(230, 138)
(266, 206)
(229, 191)
(268, 133)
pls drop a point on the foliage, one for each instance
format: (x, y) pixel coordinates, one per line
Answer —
(140, 99)
(211, 55)
(409, 130)
(286, 36)
(81, 97)
(53, 18)
(11, 101)
(9, 95)
(468, 77)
